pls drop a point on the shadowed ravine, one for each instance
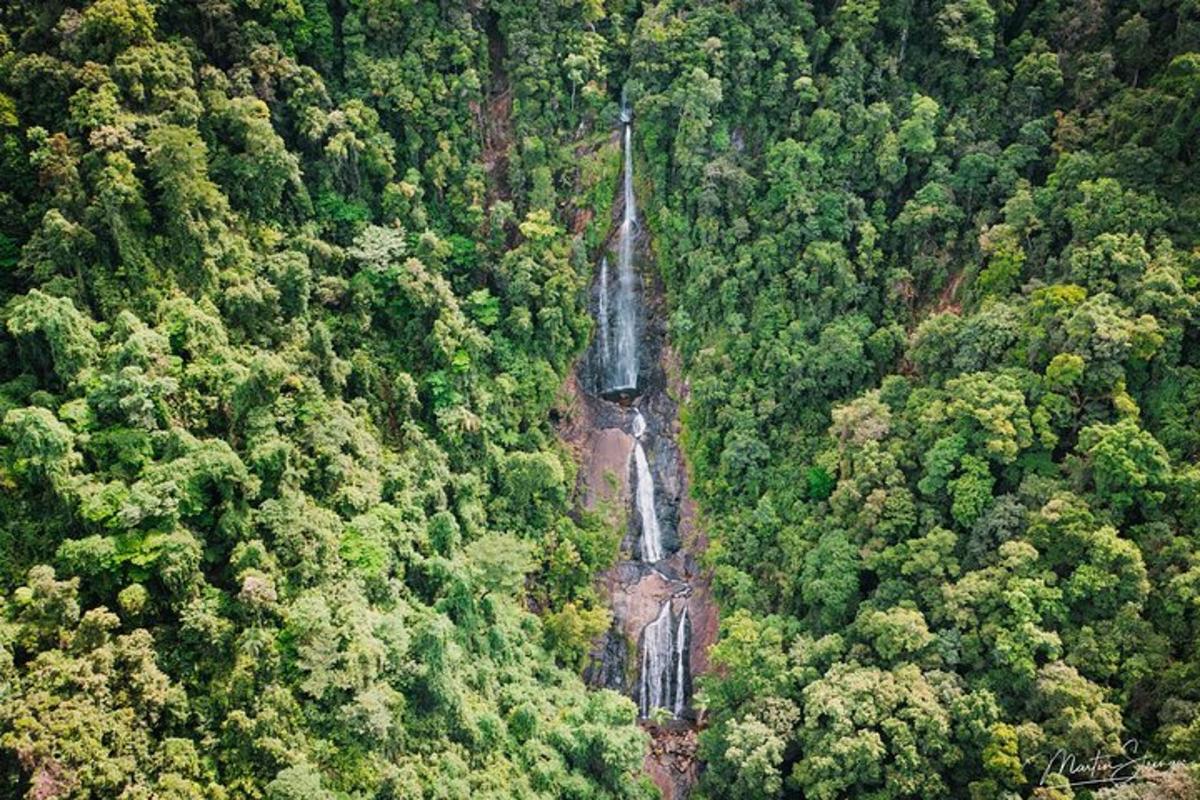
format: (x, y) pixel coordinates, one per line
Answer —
(626, 391)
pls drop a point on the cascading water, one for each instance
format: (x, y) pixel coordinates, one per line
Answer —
(656, 662)
(681, 663)
(620, 367)
(658, 599)
(651, 541)
(663, 681)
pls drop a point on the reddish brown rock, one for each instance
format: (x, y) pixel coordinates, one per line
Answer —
(671, 759)
(605, 467)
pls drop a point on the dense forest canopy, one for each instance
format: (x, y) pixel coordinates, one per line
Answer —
(289, 290)
(284, 316)
(934, 274)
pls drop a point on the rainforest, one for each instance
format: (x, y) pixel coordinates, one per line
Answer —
(599, 399)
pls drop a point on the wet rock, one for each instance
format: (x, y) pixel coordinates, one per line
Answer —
(636, 592)
(666, 467)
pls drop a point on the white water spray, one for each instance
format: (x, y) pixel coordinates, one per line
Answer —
(657, 652)
(664, 667)
(652, 548)
(605, 334)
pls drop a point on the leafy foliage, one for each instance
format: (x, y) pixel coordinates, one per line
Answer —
(288, 290)
(932, 271)
(283, 317)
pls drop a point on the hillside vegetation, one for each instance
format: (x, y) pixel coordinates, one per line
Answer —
(934, 274)
(277, 358)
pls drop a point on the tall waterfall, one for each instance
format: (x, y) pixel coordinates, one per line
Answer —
(652, 548)
(663, 681)
(625, 373)
(621, 366)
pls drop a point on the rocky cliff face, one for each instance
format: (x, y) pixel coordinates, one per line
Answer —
(671, 762)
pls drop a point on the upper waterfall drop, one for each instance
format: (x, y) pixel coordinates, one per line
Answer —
(620, 362)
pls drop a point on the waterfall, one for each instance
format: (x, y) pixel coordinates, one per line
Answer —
(615, 374)
(657, 656)
(664, 673)
(644, 495)
(681, 664)
(622, 373)
(638, 426)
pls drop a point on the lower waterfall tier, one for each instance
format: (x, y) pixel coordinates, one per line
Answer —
(665, 672)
